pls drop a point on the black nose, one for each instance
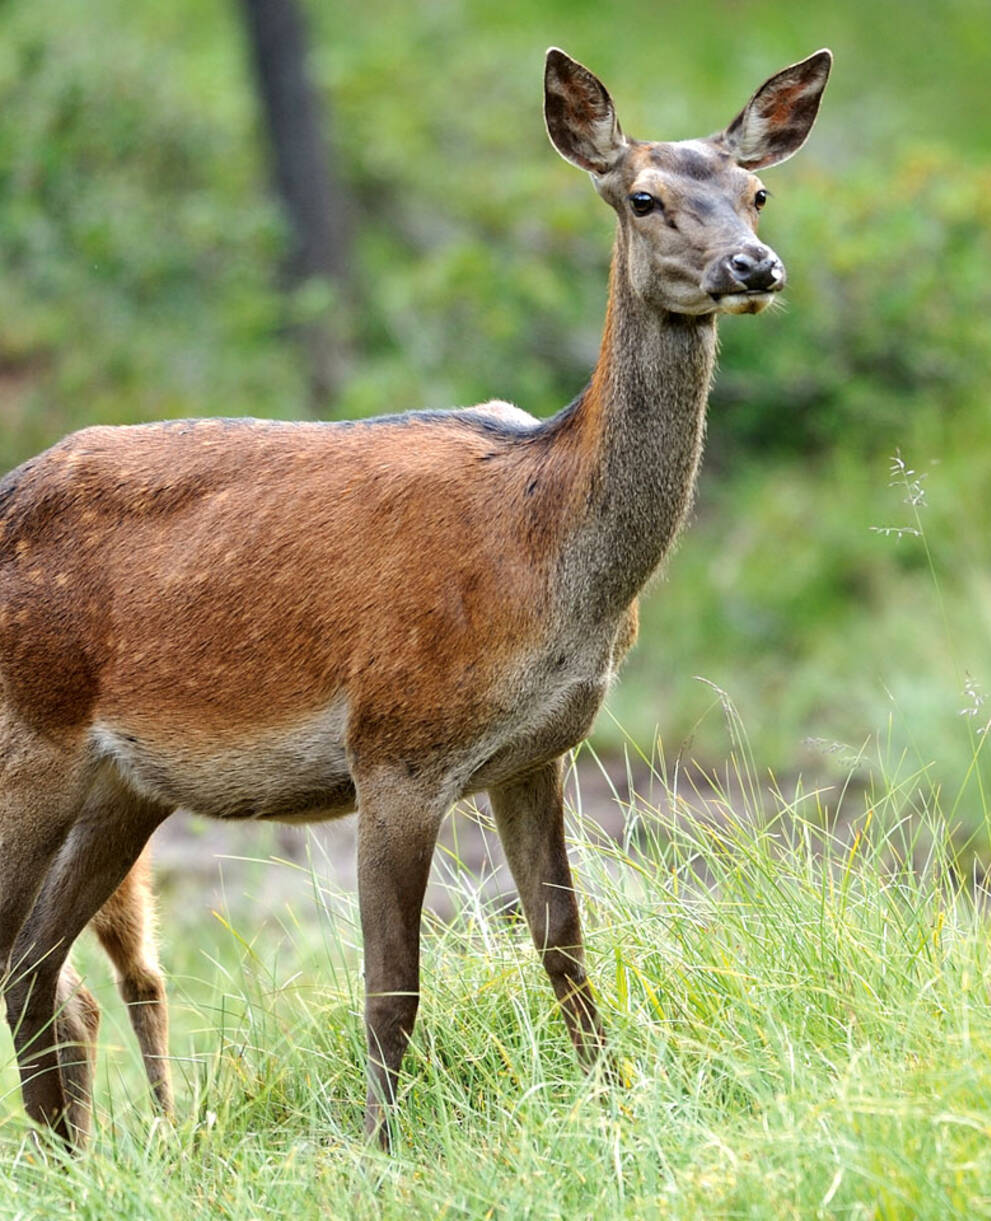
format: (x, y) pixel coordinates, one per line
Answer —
(756, 269)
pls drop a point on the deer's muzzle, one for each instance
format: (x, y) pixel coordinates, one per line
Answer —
(743, 280)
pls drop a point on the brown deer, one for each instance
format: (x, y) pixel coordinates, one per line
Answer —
(263, 620)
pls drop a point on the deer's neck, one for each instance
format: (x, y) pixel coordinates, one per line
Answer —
(635, 440)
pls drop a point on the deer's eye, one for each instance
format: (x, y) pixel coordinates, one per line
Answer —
(642, 203)
(760, 199)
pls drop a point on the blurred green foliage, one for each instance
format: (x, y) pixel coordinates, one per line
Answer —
(140, 244)
(889, 315)
(140, 249)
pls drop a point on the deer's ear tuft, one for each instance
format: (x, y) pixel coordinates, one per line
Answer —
(581, 119)
(775, 123)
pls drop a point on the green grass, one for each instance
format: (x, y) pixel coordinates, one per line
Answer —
(801, 1019)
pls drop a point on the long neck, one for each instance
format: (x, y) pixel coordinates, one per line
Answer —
(631, 445)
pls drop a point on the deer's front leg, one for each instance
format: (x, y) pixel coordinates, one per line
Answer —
(529, 814)
(397, 831)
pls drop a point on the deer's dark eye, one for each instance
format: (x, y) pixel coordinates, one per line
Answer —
(760, 199)
(642, 203)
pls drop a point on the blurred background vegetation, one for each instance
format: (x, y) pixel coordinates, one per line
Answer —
(144, 257)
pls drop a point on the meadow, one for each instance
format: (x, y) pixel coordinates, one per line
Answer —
(789, 938)
(799, 1018)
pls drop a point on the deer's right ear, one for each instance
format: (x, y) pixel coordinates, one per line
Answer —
(581, 119)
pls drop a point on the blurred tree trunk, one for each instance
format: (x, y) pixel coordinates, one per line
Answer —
(316, 204)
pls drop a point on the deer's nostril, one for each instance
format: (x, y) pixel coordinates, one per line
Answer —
(740, 264)
(764, 275)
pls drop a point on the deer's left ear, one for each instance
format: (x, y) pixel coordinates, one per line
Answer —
(776, 121)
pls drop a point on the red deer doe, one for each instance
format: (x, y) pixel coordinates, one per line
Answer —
(252, 619)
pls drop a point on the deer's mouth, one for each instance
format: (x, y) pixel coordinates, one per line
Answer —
(748, 301)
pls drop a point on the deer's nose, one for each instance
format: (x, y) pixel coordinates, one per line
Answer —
(757, 269)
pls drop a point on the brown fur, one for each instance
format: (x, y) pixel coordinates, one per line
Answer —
(264, 620)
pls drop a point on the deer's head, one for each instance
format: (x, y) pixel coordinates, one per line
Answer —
(688, 210)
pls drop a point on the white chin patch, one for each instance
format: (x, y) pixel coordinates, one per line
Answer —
(744, 303)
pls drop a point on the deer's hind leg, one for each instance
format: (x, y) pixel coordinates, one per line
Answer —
(42, 784)
(77, 1024)
(125, 927)
(106, 835)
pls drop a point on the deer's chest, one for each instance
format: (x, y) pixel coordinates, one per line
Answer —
(552, 705)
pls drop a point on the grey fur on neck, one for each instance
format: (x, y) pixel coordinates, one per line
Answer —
(649, 391)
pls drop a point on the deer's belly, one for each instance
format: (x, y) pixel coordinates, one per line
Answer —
(299, 773)
(296, 773)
